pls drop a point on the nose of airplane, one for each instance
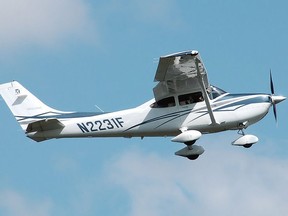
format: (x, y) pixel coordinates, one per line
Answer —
(277, 99)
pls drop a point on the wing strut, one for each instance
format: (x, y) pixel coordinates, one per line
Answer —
(204, 92)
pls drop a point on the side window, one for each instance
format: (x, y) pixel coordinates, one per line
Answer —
(190, 98)
(166, 102)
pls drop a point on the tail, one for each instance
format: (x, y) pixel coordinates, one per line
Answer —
(26, 108)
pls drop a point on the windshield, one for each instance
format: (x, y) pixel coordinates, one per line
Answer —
(215, 92)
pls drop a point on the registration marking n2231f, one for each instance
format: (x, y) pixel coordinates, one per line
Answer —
(101, 125)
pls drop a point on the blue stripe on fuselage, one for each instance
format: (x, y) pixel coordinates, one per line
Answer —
(242, 100)
(60, 115)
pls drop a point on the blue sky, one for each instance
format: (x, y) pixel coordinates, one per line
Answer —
(75, 54)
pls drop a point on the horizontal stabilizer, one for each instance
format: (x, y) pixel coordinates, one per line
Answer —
(44, 125)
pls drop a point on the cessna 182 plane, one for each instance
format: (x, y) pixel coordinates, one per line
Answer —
(185, 106)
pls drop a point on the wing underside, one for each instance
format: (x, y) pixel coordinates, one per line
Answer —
(179, 73)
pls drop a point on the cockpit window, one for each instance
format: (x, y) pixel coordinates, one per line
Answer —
(190, 98)
(166, 102)
(215, 92)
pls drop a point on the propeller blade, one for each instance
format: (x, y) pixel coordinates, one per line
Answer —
(272, 94)
(271, 83)
(275, 112)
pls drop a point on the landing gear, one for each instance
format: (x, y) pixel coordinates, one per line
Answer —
(189, 137)
(193, 157)
(192, 152)
(247, 145)
(245, 140)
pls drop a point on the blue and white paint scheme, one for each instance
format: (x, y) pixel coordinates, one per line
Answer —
(185, 106)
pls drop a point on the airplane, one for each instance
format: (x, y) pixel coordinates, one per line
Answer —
(185, 106)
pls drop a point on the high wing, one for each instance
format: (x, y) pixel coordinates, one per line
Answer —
(177, 73)
(182, 72)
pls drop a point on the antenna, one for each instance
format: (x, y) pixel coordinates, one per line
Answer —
(99, 108)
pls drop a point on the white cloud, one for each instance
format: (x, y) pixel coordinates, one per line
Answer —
(158, 12)
(42, 22)
(13, 203)
(220, 183)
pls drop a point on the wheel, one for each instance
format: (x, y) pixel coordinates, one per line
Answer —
(189, 143)
(192, 157)
(247, 145)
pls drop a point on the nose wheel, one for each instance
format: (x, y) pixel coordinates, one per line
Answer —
(247, 145)
(246, 140)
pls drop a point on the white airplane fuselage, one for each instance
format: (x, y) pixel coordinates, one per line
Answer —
(185, 106)
(232, 112)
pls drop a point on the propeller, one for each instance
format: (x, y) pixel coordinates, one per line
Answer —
(273, 94)
(274, 98)
(271, 83)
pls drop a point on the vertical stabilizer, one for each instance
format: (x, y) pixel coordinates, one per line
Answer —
(24, 105)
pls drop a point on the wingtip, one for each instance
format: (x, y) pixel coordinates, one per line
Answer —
(189, 52)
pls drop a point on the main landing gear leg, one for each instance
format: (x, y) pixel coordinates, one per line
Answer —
(189, 146)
